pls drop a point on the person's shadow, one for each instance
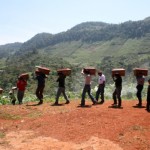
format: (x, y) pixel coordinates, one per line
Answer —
(136, 106)
(115, 107)
(34, 104)
(85, 106)
(57, 104)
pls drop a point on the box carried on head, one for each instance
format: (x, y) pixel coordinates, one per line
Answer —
(140, 71)
(64, 71)
(25, 76)
(119, 71)
(43, 70)
(91, 70)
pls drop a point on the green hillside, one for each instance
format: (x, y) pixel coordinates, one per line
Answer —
(104, 46)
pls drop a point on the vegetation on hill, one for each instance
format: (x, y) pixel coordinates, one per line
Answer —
(102, 45)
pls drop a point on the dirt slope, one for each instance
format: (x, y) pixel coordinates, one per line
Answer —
(69, 127)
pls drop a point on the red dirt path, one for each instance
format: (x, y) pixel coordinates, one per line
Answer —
(69, 127)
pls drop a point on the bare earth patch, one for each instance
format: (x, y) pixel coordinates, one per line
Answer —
(69, 127)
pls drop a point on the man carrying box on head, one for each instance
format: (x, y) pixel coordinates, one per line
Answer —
(140, 83)
(118, 88)
(101, 86)
(61, 88)
(87, 88)
(40, 86)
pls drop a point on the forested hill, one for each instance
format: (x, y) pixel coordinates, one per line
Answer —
(88, 32)
(102, 45)
(9, 49)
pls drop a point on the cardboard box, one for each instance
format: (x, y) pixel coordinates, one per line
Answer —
(120, 71)
(140, 71)
(24, 76)
(43, 70)
(92, 70)
(65, 71)
(1, 90)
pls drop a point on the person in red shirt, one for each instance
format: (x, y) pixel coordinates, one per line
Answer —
(21, 86)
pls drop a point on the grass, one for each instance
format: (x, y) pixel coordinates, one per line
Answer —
(34, 114)
(9, 116)
(2, 134)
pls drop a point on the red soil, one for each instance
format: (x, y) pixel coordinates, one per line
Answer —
(69, 127)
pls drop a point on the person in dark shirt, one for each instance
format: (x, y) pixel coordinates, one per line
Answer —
(117, 92)
(40, 86)
(61, 88)
(148, 96)
(140, 84)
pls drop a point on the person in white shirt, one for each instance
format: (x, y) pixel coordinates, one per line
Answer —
(87, 88)
(101, 86)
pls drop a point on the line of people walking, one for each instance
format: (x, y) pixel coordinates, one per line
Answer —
(117, 100)
(117, 91)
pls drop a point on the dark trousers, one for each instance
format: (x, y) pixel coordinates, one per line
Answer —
(100, 91)
(87, 88)
(39, 92)
(148, 105)
(139, 93)
(59, 91)
(117, 95)
(20, 96)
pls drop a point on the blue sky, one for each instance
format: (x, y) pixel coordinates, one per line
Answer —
(20, 20)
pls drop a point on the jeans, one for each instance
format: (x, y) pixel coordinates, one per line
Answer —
(139, 93)
(39, 92)
(61, 90)
(100, 91)
(87, 88)
(117, 95)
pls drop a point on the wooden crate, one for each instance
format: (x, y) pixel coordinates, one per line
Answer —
(140, 71)
(91, 70)
(120, 71)
(43, 70)
(65, 71)
(1, 90)
(24, 76)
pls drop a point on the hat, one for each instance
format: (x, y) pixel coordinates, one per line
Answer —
(10, 92)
